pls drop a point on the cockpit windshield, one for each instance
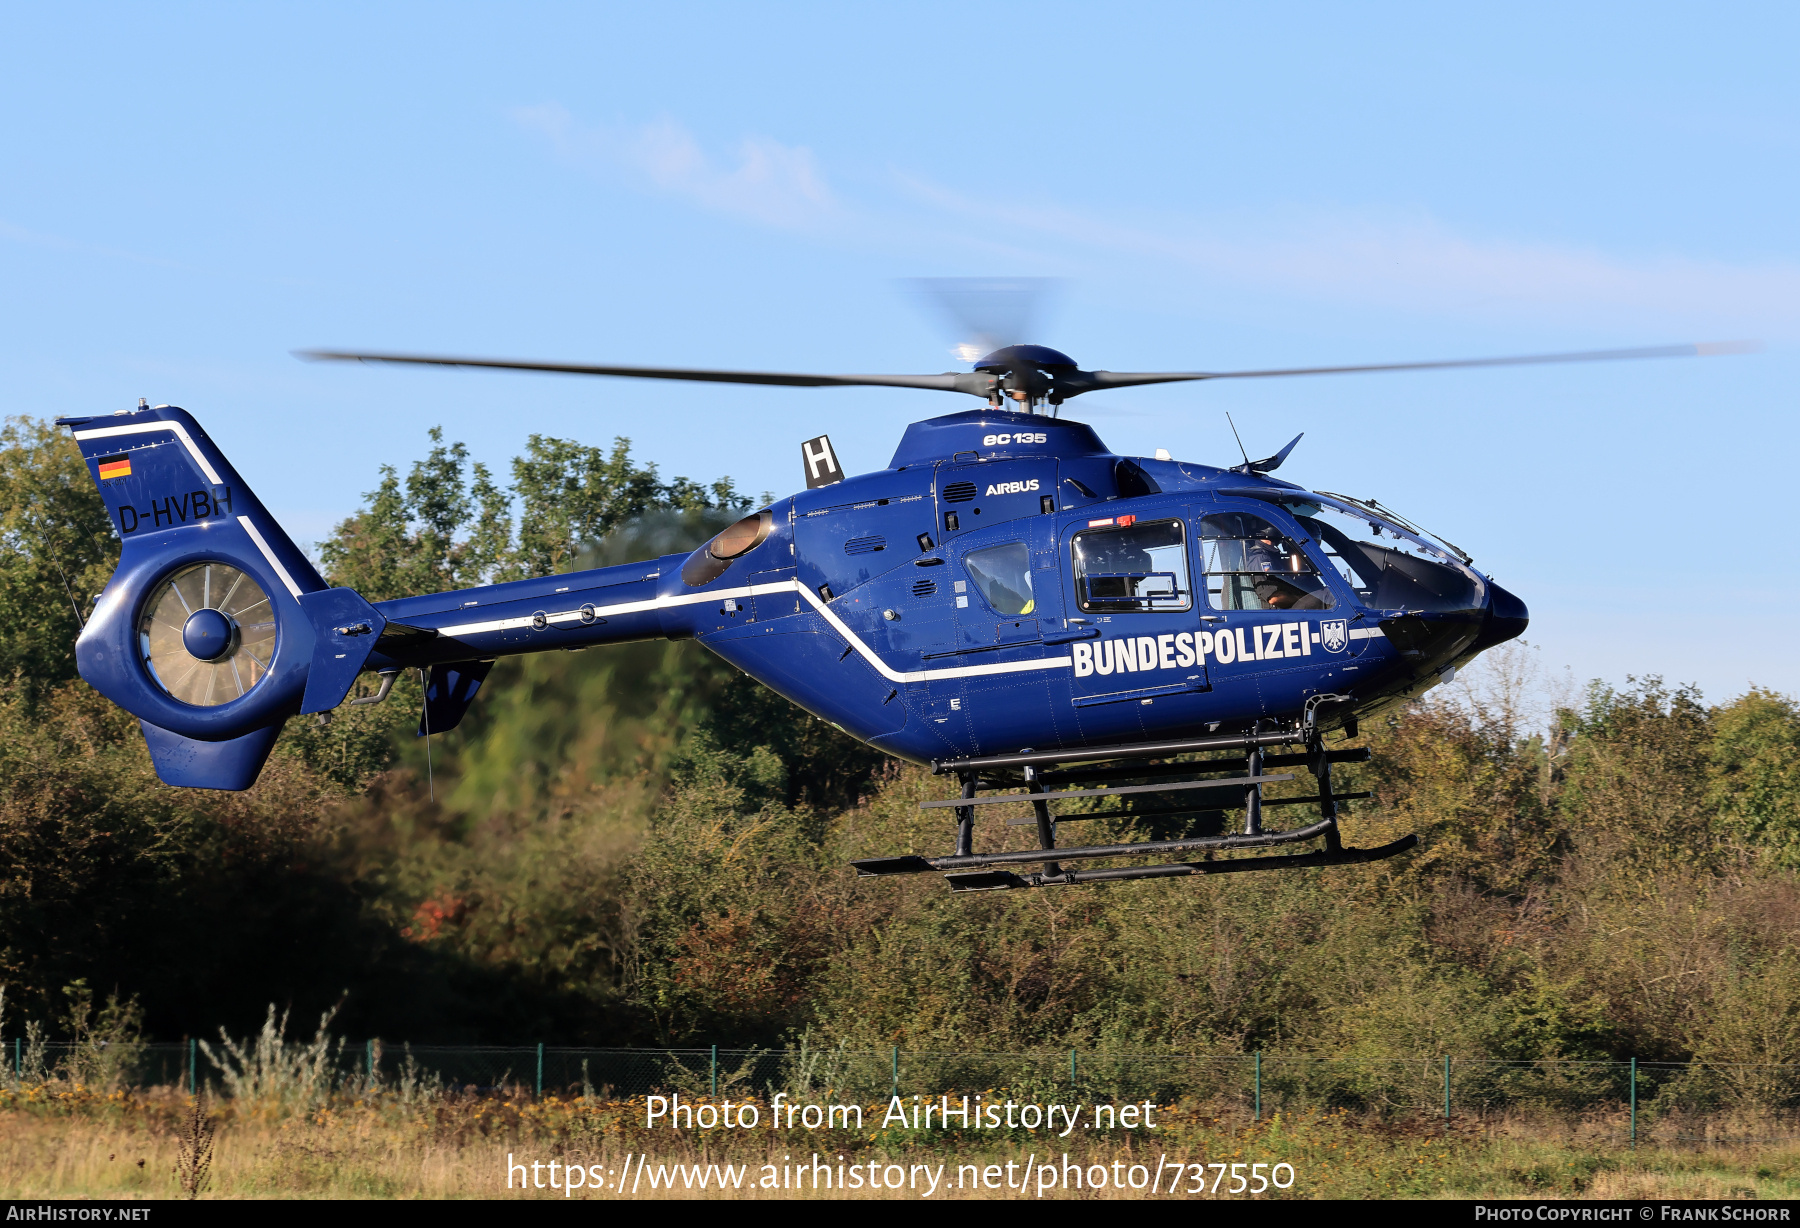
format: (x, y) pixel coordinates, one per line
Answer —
(1388, 567)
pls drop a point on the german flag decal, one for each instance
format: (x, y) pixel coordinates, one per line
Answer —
(114, 467)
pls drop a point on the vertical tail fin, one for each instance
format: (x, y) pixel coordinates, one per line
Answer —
(158, 473)
(215, 628)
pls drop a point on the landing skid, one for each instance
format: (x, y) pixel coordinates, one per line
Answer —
(1247, 774)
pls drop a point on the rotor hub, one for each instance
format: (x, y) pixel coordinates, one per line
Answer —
(208, 635)
(1022, 357)
(1026, 373)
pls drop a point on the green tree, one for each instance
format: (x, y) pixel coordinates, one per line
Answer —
(571, 494)
(57, 550)
(1636, 780)
(1754, 774)
(448, 524)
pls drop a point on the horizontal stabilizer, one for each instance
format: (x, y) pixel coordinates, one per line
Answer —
(192, 764)
(398, 638)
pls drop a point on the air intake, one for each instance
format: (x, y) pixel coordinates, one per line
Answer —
(865, 545)
(959, 492)
(924, 588)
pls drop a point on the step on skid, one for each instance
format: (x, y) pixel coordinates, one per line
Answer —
(1247, 772)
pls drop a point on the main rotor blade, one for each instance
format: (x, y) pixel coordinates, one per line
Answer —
(942, 383)
(1127, 379)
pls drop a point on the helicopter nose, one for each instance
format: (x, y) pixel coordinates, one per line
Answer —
(1507, 619)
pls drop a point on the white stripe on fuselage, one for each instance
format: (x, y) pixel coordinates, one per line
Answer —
(565, 617)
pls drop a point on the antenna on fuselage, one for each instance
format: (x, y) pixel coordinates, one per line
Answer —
(1239, 438)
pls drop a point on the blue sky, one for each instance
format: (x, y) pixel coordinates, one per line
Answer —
(188, 193)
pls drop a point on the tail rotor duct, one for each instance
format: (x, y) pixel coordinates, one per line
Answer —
(207, 634)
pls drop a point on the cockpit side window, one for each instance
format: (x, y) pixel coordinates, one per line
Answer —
(1252, 565)
(1002, 575)
(1133, 569)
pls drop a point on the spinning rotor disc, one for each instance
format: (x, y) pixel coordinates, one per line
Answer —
(207, 634)
(990, 318)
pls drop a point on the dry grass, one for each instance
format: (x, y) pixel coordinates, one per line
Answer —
(71, 1144)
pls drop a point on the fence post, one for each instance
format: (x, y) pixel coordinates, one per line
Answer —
(193, 1065)
(715, 1072)
(1634, 1102)
(540, 1081)
(1071, 1070)
(1258, 1085)
(19, 1056)
(1446, 1089)
(896, 1070)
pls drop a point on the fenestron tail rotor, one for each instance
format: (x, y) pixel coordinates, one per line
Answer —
(207, 634)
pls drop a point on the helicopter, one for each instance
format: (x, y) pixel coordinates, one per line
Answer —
(1007, 601)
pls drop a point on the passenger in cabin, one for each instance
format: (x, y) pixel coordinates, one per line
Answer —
(1116, 564)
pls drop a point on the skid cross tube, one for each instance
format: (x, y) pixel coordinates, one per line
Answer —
(1046, 825)
(1253, 793)
(1039, 799)
(965, 819)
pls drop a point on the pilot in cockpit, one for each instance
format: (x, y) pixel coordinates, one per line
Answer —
(1276, 591)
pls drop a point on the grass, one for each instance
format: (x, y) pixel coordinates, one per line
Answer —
(66, 1142)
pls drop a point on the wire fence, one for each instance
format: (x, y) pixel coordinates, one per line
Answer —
(1669, 1101)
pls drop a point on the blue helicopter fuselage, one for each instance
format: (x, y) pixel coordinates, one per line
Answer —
(1008, 582)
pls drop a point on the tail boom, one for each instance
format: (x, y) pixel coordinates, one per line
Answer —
(210, 588)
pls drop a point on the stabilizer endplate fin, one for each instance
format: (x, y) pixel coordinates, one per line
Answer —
(448, 695)
(345, 628)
